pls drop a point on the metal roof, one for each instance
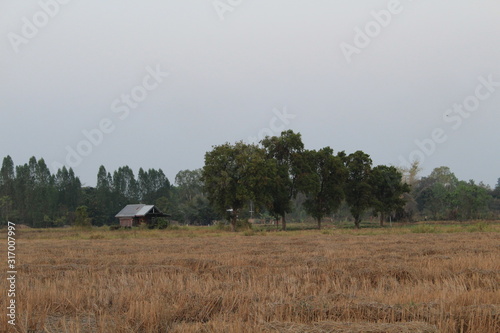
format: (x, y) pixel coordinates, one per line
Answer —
(135, 210)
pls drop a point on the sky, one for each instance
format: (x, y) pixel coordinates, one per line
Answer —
(158, 83)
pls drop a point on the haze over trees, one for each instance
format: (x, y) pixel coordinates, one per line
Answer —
(279, 179)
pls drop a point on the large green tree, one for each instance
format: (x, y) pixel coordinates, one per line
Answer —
(5, 209)
(325, 190)
(103, 199)
(192, 205)
(285, 150)
(388, 189)
(44, 195)
(125, 185)
(235, 174)
(7, 177)
(69, 188)
(189, 184)
(358, 189)
(7, 186)
(152, 184)
(434, 194)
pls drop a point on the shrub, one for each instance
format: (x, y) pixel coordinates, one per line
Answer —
(243, 225)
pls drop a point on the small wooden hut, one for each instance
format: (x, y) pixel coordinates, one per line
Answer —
(134, 215)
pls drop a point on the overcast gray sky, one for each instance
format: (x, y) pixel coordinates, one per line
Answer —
(84, 83)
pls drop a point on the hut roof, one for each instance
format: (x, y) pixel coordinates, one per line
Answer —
(139, 210)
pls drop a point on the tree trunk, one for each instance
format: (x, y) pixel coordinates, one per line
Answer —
(357, 221)
(233, 222)
(382, 217)
(319, 223)
(283, 221)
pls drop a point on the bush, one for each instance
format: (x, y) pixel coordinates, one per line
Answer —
(82, 219)
(159, 223)
(162, 223)
(243, 225)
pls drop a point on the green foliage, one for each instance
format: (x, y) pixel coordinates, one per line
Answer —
(189, 184)
(325, 190)
(358, 188)
(6, 208)
(151, 185)
(285, 151)
(236, 174)
(443, 196)
(159, 223)
(471, 201)
(496, 192)
(279, 180)
(125, 185)
(192, 206)
(82, 219)
(387, 190)
(242, 225)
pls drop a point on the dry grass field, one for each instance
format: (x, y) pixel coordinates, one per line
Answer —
(307, 281)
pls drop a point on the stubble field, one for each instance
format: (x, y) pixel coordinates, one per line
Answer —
(165, 281)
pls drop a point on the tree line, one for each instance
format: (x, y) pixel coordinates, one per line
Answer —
(32, 195)
(278, 179)
(274, 173)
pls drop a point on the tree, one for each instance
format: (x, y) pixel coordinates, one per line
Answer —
(104, 200)
(358, 189)
(151, 185)
(82, 219)
(125, 185)
(326, 191)
(410, 177)
(235, 174)
(45, 193)
(387, 190)
(5, 208)
(496, 192)
(434, 194)
(22, 197)
(192, 206)
(285, 150)
(69, 188)
(189, 184)
(7, 177)
(469, 200)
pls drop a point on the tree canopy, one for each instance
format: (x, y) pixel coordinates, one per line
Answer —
(235, 174)
(278, 178)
